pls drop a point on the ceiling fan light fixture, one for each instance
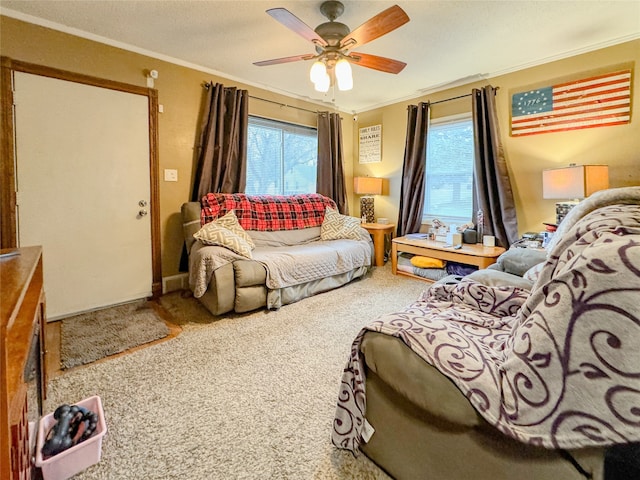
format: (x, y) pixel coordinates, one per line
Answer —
(334, 40)
(323, 83)
(344, 76)
(318, 71)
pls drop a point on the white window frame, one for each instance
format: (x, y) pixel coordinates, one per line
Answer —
(285, 126)
(428, 218)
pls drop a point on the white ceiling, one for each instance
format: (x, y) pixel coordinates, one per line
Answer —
(444, 44)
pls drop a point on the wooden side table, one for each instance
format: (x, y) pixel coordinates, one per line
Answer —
(378, 232)
(469, 254)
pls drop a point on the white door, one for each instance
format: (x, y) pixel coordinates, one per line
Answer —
(83, 180)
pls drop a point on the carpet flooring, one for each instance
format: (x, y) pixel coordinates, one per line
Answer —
(236, 397)
(91, 336)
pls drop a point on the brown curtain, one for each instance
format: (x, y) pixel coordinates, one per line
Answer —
(222, 150)
(413, 170)
(493, 194)
(330, 176)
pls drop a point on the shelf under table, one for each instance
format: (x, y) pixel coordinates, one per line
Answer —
(469, 254)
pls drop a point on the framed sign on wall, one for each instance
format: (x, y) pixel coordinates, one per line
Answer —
(370, 146)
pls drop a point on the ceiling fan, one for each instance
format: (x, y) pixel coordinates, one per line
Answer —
(334, 41)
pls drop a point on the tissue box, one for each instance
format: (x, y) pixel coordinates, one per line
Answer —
(77, 458)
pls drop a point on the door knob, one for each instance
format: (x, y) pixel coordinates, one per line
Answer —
(142, 213)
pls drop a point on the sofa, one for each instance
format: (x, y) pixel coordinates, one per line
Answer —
(248, 252)
(495, 381)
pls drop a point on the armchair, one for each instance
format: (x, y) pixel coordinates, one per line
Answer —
(501, 382)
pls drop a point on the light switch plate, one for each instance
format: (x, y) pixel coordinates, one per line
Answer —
(170, 175)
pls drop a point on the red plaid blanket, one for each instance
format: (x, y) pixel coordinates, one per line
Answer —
(269, 212)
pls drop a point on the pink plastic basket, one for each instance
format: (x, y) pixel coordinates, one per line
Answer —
(75, 459)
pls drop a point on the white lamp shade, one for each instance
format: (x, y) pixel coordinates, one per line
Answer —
(317, 72)
(344, 75)
(367, 186)
(322, 85)
(576, 181)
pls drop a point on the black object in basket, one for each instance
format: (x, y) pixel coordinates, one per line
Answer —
(74, 424)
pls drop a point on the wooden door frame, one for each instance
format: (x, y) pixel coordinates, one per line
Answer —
(8, 233)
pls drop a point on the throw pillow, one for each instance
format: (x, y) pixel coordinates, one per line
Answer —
(230, 222)
(426, 262)
(215, 234)
(336, 226)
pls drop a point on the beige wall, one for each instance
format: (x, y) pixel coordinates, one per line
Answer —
(617, 146)
(180, 93)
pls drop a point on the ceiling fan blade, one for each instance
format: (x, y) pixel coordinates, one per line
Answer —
(289, 20)
(381, 24)
(375, 62)
(276, 61)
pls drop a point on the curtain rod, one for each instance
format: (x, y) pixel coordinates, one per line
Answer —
(449, 99)
(207, 85)
(455, 98)
(283, 104)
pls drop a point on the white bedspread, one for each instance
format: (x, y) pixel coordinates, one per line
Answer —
(203, 261)
(286, 266)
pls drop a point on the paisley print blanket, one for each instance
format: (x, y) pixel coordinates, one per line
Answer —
(558, 366)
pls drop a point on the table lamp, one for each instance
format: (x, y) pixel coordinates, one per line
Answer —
(367, 186)
(573, 182)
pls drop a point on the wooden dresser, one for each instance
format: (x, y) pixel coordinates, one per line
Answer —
(22, 355)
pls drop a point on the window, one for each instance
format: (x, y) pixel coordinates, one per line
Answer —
(282, 158)
(449, 171)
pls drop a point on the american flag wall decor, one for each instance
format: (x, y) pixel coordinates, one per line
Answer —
(598, 101)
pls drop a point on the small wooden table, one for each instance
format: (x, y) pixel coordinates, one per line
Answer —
(378, 232)
(469, 254)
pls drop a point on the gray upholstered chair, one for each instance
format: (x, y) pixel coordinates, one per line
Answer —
(498, 383)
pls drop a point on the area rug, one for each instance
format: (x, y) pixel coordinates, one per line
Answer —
(94, 335)
(238, 397)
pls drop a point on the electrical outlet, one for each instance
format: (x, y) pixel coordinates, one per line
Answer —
(170, 175)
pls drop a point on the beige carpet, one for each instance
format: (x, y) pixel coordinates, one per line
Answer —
(91, 336)
(242, 397)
